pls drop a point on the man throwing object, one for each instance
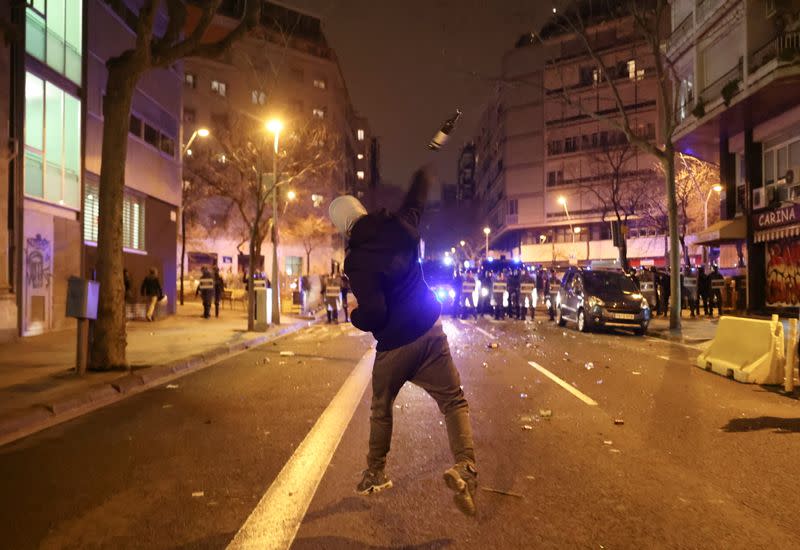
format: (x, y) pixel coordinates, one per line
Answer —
(398, 308)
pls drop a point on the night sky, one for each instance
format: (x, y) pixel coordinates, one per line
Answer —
(408, 65)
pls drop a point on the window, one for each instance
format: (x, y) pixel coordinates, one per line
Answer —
(360, 174)
(555, 147)
(52, 143)
(167, 145)
(151, 135)
(633, 72)
(219, 88)
(320, 83)
(190, 79)
(296, 73)
(597, 76)
(135, 126)
(189, 116)
(54, 35)
(570, 145)
(133, 220)
(513, 207)
(318, 112)
(294, 266)
(258, 97)
(555, 177)
(360, 134)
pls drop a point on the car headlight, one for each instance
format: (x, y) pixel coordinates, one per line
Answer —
(594, 302)
(451, 293)
(484, 292)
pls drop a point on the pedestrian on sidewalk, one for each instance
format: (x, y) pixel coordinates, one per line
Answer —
(703, 289)
(206, 291)
(151, 290)
(396, 305)
(219, 290)
(345, 293)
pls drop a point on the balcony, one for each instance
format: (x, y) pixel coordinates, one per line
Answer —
(783, 47)
(681, 33)
(713, 91)
(705, 9)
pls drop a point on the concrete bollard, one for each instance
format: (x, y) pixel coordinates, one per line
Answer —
(791, 357)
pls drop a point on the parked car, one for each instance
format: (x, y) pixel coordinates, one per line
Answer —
(594, 299)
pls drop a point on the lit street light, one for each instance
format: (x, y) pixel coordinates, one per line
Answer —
(203, 133)
(562, 200)
(290, 196)
(275, 127)
(486, 231)
(463, 243)
(718, 189)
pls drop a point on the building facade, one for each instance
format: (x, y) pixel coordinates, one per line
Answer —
(9, 148)
(738, 66)
(285, 68)
(152, 197)
(539, 154)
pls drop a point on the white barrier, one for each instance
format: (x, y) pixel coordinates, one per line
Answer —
(747, 350)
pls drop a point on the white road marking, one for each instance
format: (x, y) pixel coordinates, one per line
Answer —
(274, 522)
(580, 395)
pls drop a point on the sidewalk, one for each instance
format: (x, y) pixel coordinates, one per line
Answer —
(694, 330)
(39, 387)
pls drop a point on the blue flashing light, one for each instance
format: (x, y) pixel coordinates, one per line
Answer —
(451, 293)
(517, 260)
(440, 294)
(448, 260)
(467, 265)
(489, 259)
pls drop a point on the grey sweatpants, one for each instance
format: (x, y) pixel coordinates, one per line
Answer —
(427, 363)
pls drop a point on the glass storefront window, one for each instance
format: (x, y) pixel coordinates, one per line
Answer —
(52, 143)
(54, 31)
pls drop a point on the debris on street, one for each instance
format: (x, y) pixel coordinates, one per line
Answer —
(636, 372)
(287, 354)
(198, 494)
(608, 442)
(172, 386)
(619, 421)
(493, 345)
(589, 365)
(501, 492)
(527, 427)
(545, 413)
(523, 396)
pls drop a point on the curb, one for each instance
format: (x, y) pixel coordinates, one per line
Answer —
(24, 422)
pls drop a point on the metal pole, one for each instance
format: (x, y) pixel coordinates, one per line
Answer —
(791, 357)
(487, 245)
(276, 286)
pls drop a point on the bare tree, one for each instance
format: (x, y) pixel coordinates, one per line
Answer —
(694, 180)
(585, 19)
(619, 192)
(312, 231)
(151, 50)
(240, 171)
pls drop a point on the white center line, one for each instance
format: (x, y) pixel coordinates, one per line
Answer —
(580, 395)
(274, 522)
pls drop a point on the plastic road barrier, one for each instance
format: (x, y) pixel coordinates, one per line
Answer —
(747, 350)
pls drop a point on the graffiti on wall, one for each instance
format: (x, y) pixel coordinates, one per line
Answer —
(783, 273)
(38, 263)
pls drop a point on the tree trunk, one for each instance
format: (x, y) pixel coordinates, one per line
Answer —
(668, 162)
(623, 254)
(308, 262)
(183, 245)
(686, 260)
(108, 347)
(255, 251)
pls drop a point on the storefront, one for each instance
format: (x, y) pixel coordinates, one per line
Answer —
(779, 230)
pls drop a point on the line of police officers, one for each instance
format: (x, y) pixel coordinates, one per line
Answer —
(524, 290)
(696, 285)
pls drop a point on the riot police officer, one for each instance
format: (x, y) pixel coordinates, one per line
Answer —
(467, 290)
(332, 292)
(527, 296)
(206, 291)
(514, 299)
(499, 289)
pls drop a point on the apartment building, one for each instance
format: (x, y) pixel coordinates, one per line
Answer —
(8, 150)
(738, 63)
(538, 152)
(285, 69)
(152, 198)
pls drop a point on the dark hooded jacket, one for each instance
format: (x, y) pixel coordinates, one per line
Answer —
(382, 263)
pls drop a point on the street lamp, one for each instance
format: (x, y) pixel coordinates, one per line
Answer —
(275, 127)
(486, 231)
(562, 200)
(202, 132)
(463, 243)
(290, 196)
(718, 189)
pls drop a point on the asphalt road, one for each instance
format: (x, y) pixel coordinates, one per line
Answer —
(698, 462)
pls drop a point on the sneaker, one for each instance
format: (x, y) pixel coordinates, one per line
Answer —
(373, 482)
(462, 479)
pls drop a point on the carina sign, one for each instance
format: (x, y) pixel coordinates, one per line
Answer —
(779, 217)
